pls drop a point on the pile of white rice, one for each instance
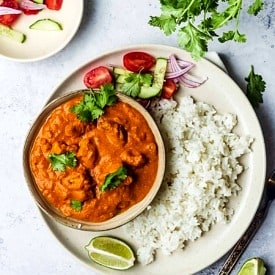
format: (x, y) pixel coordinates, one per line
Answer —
(201, 176)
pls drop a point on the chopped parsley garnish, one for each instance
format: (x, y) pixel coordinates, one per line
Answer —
(93, 104)
(76, 205)
(113, 180)
(59, 162)
(198, 22)
(255, 88)
(133, 83)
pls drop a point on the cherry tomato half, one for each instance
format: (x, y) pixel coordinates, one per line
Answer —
(97, 77)
(54, 4)
(169, 88)
(138, 61)
(9, 19)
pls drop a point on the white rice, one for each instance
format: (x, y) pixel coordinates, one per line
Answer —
(201, 176)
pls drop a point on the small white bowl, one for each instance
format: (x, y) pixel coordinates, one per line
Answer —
(41, 44)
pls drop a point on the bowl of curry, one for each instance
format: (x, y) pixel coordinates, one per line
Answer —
(93, 169)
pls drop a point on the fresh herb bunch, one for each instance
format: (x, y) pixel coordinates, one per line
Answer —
(197, 22)
(93, 104)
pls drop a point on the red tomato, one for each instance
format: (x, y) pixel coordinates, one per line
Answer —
(169, 89)
(9, 19)
(30, 12)
(97, 77)
(54, 4)
(138, 61)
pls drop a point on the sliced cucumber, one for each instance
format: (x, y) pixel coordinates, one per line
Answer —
(158, 79)
(147, 92)
(159, 72)
(121, 78)
(46, 24)
(119, 71)
(38, 1)
(12, 34)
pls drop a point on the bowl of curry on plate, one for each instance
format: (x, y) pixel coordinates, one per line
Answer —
(94, 170)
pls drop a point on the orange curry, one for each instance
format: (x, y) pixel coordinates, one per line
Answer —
(120, 137)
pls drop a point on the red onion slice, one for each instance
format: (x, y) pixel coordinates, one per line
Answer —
(178, 70)
(178, 73)
(7, 10)
(29, 5)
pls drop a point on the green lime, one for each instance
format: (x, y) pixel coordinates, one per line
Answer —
(253, 266)
(110, 252)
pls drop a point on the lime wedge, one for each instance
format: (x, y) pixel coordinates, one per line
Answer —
(253, 266)
(110, 252)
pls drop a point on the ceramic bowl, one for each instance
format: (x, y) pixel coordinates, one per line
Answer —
(117, 220)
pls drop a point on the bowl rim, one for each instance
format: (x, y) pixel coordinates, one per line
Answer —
(117, 220)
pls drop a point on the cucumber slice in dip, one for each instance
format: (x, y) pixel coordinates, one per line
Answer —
(46, 25)
(12, 34)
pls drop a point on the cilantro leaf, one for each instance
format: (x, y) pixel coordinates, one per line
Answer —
(232, 35)
(106, 96)
(93, 104)
(193, 40)
(168, 20)
(76, 205)
(59, 162)
(167, 23)
(113, 180)
(133, 83)
(220, 19)
(255, 7)
(255, 87)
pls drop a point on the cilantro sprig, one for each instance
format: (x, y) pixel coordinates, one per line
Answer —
(93, 103)
(255, 88)
(197, 22)
(133, 83)
(114, 179)
(59, 162)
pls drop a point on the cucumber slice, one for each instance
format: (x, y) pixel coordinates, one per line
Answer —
(159, 72)
(38, 1)
(147, 92)
(158, 79)
(121, 71)
(12, 34)
(46, 25)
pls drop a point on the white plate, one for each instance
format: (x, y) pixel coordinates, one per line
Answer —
(226, 96)
(42, 44)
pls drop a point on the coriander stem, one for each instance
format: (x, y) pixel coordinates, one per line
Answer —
(238, 5)
(186, 10)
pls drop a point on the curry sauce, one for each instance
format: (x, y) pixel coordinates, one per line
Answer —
(120, 137)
